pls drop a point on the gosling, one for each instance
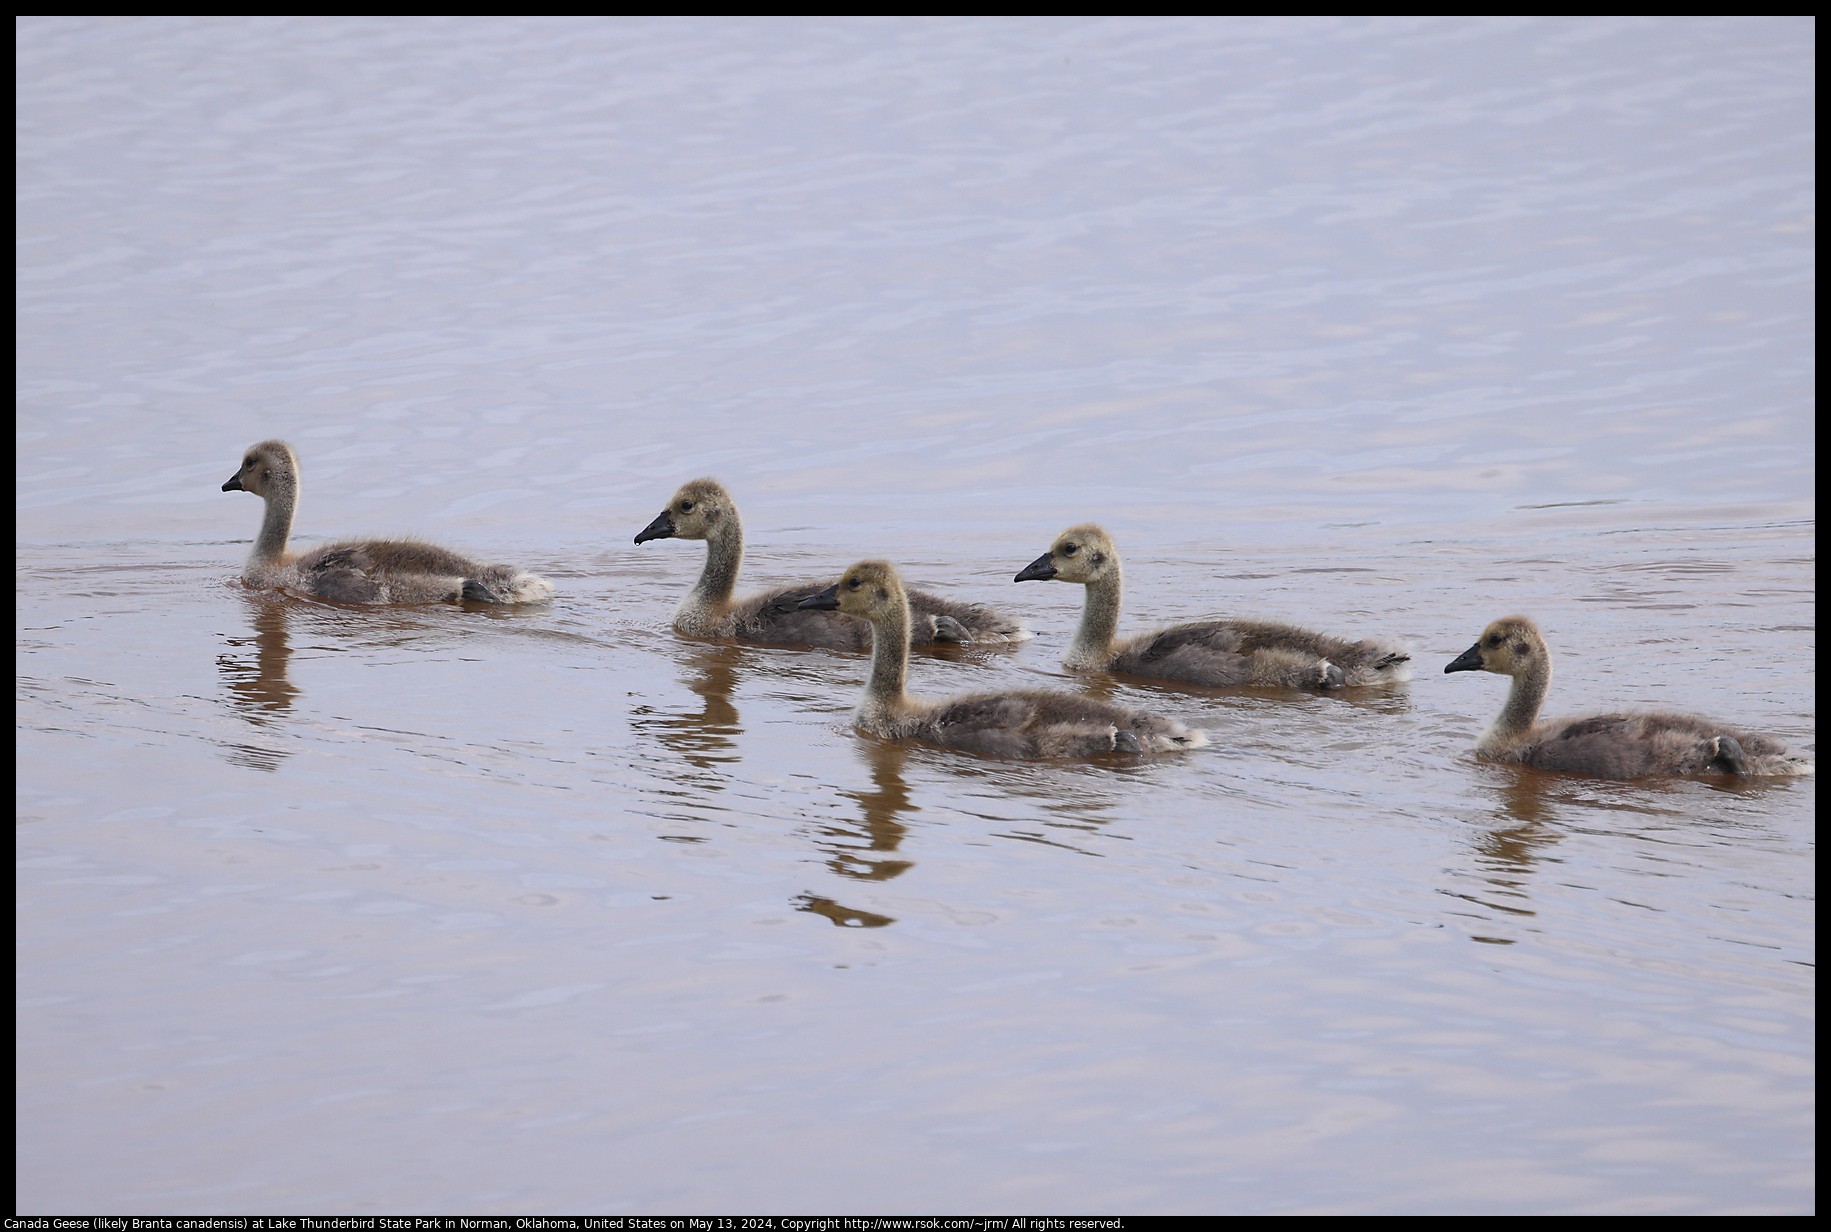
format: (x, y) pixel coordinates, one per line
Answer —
(1606, 746)
(362, 571)
(1017, 724)
(1212, 652)
(702, 509)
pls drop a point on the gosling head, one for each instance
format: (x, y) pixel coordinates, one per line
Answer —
(1079, 554)
(868, 588)
(694, 512)
(266, 467)
(1511, 646)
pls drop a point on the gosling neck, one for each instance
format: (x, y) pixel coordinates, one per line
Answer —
(1523, 701)
(890, 652)
(724, 553)
(1093, 638)
(281, 499)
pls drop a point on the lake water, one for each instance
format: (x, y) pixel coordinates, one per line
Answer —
(1386, 326)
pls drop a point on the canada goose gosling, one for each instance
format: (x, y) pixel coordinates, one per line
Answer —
(1035, 723)
(1610, 746)
(361, 571)
(1214, 652)
(703, 509)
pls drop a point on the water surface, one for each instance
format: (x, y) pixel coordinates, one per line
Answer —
(1388, 326)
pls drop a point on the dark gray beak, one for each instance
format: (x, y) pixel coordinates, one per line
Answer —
(826, 601)
(235, 483)
(1039, 570)
(661, 528)
(1468, 661)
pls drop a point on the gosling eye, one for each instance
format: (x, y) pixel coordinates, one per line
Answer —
(853, 583)
(686, 506)
(1069, 549)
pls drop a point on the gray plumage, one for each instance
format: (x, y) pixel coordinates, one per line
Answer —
(702, 509)
(361, 571)
(1212, 652)
(1608, 746)
(1024, 723)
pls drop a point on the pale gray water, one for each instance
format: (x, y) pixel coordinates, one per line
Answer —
(1390, 326)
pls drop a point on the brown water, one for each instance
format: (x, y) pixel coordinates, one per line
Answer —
(1390, 327)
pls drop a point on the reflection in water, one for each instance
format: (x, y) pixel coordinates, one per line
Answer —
(1530, 804)
(844, 917)
(706, 739)
(258, 688)
(878, 810)
(1530, 797)
(1539, 808)
(1506, 860)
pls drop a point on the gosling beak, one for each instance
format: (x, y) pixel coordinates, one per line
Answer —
(661, 528)
(826, 601)
(235, 483)
(1039, 570)
(1468, 661)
